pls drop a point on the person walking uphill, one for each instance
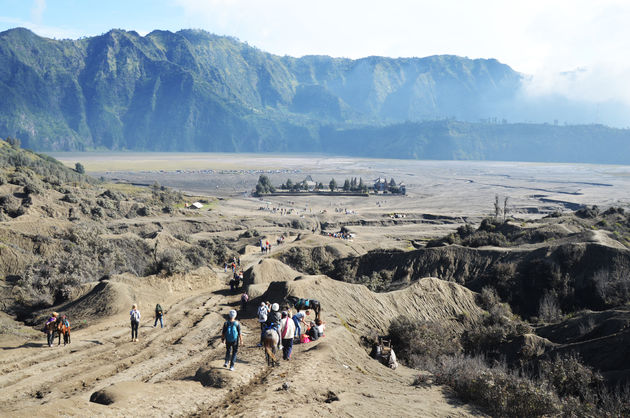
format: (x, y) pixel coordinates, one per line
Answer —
(49, 328)
(134, 316)
(287, 331)
(263, 310)
(159, 314)
(231, 335)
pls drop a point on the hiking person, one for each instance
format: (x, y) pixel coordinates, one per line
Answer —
(321, 325)
(313, 331)
(231, 335)
(159, 313)
(262, 318)
(134, 316)
(287, 331)
(273, 319)
(244, 299)
(298, 319)
(49, 328)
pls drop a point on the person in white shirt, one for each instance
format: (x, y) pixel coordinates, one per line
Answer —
(287, 331)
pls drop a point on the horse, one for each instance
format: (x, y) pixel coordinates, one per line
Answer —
(270, 344)
(62, 329)
(304, 304)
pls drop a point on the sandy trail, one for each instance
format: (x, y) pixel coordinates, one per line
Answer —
(333, 376)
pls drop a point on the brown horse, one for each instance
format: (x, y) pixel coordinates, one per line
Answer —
(270, 344)
(62, 329)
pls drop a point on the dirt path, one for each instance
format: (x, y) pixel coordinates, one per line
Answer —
(155, 376)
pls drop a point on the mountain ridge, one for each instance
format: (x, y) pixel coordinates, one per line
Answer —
(195, 91)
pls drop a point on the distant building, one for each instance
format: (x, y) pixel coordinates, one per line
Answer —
(380, 184)
(402, 189)
(196, 205)
(310, 184)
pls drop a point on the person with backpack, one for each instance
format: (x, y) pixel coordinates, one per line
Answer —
(287, 331)
(134, 316)
(262, 318)
(159, 314)
(231, 335)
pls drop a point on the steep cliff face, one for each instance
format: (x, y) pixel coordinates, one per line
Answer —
(581, 275)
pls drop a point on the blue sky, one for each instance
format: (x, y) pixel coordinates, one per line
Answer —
(577, 48)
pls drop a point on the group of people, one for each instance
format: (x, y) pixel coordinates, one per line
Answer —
(236, 281)
(52, 325)
(134, 316)
(236, 262)
(290, 328)
(341, 235)
(265, 246)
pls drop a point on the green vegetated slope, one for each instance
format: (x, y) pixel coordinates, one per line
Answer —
(194, 91)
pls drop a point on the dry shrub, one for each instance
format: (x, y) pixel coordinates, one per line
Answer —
(569, 377)
(548, 308)
(216, 251)
(419, 343)
(496, 389)
(172, 261)
(377, 281)
(499, 326)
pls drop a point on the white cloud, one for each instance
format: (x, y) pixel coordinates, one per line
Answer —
(41, 30)
(37, 11)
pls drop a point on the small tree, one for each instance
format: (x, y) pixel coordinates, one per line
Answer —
(362, 185)
(346, 185)
(320, 186)
(548, 309)
(289, 184)
(332, 185)
(78, 167)
(264, 185)
(14, 142)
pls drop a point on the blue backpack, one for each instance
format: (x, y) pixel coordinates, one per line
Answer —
(231, 332)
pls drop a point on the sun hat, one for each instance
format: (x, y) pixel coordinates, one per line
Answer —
(232, 314)
(275, 307)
